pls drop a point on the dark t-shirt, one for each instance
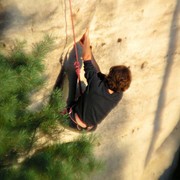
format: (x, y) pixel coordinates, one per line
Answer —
(96, 102)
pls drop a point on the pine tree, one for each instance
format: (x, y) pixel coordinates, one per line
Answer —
(21, 74)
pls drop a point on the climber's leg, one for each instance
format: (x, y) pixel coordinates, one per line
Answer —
(72, 76)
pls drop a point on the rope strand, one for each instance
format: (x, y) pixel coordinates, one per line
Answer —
(75, 47)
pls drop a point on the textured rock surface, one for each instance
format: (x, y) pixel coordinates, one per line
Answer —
(141, 135)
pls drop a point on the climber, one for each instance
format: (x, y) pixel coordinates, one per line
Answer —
(102, 94)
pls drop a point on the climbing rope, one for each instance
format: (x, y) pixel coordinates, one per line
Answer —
(76, 64)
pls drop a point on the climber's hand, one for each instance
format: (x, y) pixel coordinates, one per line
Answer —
(85, 42)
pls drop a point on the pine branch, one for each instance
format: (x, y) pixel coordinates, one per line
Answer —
(21, 74)
(41, 49)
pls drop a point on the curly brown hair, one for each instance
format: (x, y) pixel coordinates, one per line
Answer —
(119, 78)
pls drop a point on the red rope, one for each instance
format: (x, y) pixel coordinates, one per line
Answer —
(76, 64)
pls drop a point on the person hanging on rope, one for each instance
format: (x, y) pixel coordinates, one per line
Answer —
(102, 93)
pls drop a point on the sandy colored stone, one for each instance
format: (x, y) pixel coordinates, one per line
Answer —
(140, 136)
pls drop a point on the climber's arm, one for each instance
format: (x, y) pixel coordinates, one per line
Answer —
(87, 50)
(95, 64)
(85, 42)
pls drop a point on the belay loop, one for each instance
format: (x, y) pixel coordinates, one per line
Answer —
(76, 64)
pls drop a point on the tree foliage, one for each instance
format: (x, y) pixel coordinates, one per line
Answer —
(21, 74)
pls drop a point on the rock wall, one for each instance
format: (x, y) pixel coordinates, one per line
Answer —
(140, 136)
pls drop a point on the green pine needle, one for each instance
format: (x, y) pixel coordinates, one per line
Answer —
(21, 74)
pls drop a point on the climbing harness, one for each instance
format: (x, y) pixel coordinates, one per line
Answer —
(76, 64)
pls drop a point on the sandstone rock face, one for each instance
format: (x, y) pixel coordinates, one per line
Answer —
(140, 136)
